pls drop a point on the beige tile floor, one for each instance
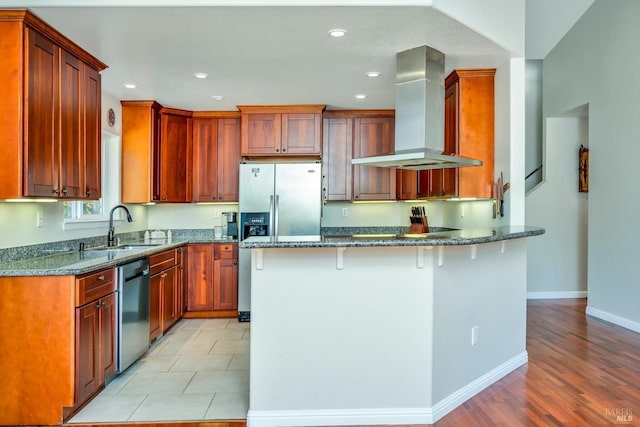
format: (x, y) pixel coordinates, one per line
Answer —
(198, 371)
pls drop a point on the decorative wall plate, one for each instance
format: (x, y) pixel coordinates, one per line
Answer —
(111, 117)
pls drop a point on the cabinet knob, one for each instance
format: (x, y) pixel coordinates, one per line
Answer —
(98, 305)
(64, 191)
(56, 191)
(164, 197)
(284, 149)
(277, 150)
(235, 262)
(88, 192)
(100, 277)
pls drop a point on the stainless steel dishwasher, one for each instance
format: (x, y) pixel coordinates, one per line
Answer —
(133, 312)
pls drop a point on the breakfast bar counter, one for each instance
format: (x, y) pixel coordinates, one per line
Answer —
(383, 329)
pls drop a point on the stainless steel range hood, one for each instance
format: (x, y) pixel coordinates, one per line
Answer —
(419, 139)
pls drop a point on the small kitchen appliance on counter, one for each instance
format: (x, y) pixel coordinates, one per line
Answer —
(232, 224)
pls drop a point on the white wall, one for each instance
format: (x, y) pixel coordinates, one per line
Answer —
(594, 63)
(557, 260)
(533, 122)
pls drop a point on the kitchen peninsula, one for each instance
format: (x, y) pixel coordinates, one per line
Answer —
(383, 329)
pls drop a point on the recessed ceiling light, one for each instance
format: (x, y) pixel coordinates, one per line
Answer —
(217, 97)
(200, 75)
(130, 85)
(337, 32)
(373, 73)
(360, 96)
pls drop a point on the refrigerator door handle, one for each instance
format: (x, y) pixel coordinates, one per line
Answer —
(277, 211)
(271, 215)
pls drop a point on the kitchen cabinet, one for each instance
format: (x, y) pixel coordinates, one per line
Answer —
(216, 154)
(156, 153)
(95, 336)
(351, 134)
(225, 277)
(281, 130)
(51, 117)
(337, 149)
(469, 126)
(212, 289)
(165, 300)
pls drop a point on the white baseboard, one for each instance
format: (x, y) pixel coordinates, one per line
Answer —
(613, 318)
(382, 416)
(336, 417)
(556, 295)
(463, 394)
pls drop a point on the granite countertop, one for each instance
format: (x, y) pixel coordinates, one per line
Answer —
(78, 263)
(467, 236)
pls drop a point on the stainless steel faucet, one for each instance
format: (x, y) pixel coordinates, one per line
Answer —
(111, 235)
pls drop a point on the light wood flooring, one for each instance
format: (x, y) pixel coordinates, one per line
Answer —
(581, 372)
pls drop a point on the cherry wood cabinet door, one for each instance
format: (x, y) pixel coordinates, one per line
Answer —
(155, 289)
(169, 298)
(261, 134)
(406, 184)
(337, 149)
(175, 158)
(41, 115)
(87, 345)
(228, 167)
(205, 164)
(200, 277)
(371, 136)
(108, 315)
(301, 133)
(225, 284)
(71, 144)
(93, 134)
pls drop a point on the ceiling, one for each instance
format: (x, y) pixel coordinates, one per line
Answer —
(263, 55)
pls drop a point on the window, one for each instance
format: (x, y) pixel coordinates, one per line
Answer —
(82, 214)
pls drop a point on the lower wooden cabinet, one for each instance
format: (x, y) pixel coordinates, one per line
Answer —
(95, 345)
(95, 332)
(165, 291)
(212, 286)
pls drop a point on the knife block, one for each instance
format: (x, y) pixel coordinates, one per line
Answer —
(423, 227)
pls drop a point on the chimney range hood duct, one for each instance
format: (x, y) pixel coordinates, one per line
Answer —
(419, 138)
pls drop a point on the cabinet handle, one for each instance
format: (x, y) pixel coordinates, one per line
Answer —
(98, 305)
(88, 192)
(101, 277)
(64, 191)
(56, 191)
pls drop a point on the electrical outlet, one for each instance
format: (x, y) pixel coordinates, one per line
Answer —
(216, 214)
(39, 219)
(462, 211)
(474, 335)
(345, 212)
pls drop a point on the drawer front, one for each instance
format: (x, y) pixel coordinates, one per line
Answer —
(94, 286)
(162, 261)
(225, 251)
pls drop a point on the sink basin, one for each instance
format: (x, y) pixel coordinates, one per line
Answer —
(374, 236)
(114, 250)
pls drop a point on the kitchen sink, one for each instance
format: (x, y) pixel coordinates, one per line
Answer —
(113, 250)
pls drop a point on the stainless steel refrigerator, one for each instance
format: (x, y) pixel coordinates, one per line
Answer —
(276, 199)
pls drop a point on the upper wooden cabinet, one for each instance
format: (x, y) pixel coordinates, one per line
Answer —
(469, 126)
(157, 153)
(50, 117)
(287, 130)
(352, 134)
(216, 156)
